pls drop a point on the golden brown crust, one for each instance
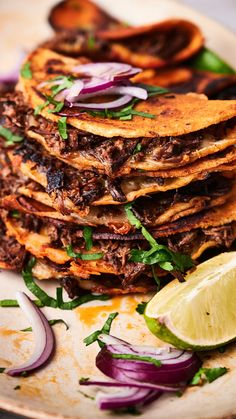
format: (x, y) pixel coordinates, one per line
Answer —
(194, 41)
(79, 15)
(187, 113)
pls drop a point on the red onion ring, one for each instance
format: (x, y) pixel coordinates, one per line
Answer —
(44, 337)
(107, 71)
(129, 397)
(134, 91)
(176, 365)
(130, 383)
(105, 105)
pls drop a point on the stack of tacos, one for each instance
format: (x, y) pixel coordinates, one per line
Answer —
(90, 204)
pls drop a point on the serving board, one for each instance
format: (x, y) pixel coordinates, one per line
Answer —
(54, 391)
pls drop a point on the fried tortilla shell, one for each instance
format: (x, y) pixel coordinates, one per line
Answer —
(80, 15)
(119, 155)
(75, 191)
(175, 114)
(105, 284)
(185, 80)
(47, 240)
(156, 45)
(153, 211)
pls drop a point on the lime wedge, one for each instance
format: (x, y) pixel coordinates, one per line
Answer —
(201, 312)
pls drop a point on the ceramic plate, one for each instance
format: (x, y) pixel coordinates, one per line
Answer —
(54, 392)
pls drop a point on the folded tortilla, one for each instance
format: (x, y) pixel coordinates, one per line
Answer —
(161, 209)
(185, 80)
(76, 191)
(175, 114)
(46, 239)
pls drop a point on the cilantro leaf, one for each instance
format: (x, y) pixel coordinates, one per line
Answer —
(131, 357)
(141, 307)
(87, 235)
(105, 329)
(66, 82)
(51, 322)
(34, 288)
(138, 148)
(208, 375)
(83, 256)
(91, 43)
(62, 127)
(158, 253)
(9, 137)
(57, 105)
(25, 71)
(2, 370)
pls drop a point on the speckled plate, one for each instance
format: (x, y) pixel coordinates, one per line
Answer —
(54, 392)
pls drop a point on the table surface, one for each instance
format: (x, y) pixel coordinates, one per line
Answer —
(225, 13)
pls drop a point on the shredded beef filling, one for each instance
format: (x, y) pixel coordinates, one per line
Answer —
(11, 252)
(117, 252)
(163, 44)
(114, 152)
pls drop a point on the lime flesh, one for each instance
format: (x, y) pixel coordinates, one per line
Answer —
(200, 313)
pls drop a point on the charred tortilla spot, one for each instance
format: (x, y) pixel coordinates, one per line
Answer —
(55, 180)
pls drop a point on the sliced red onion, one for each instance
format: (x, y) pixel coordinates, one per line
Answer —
(105, 105)
(126, 398)
(75, 90)
(108, 70)
(96, 85)
(125, 370)
(130, 383)
(177, 366)
(134, 91)
(51, 83)
(43, 334)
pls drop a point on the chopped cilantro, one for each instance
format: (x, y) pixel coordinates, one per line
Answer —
(10, 138)
(17, 387)
(2, 370)
(15, 214)
(158, 282)
(70, 305)
(208, 375)
(138, 148)
(51, 322)
(131, 357)
(62, 127)
(141, 307)
(25, 71)
(83, 379)
(130, 410)
(86, 395)
(24, 374)
(127, 112)
(83, 256)
(88, 237)
(57, 105)
(34, 288)
(158, 253)
(91, 41)
(105, 329)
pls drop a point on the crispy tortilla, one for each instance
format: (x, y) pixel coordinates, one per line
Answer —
(184, 80)
(187, 113)
(40, 244)
(161, 209)
(79, 15)
(170, 41)
(131, 188)
(152, 160)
